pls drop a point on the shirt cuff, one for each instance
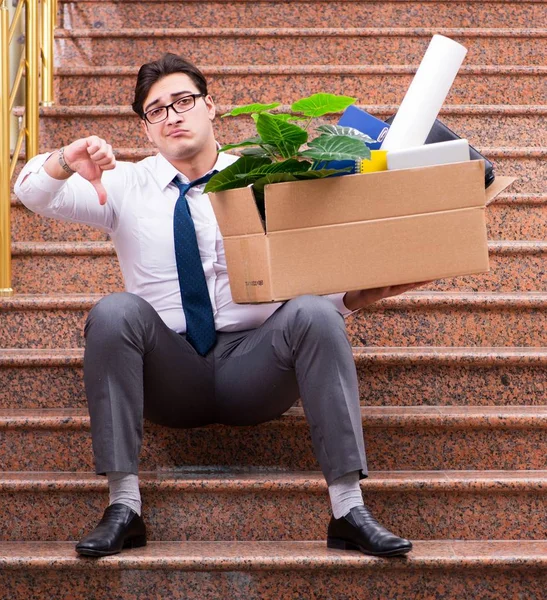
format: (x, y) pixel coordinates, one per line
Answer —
(40, 179)
(338, 301)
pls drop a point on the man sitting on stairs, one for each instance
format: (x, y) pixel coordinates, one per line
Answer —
(174, 348)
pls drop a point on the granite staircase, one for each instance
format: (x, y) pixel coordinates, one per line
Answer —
(453, 378)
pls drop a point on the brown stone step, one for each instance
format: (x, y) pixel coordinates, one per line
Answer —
(458, 319)
(279, 505)
(75, 267)
(296, 45)
(414, 319)
(489, 125)
(415, 438)
(517, 217)
(475, 84)
(205, 14)
(65, 267)
(27, 226)
(272, 570)
(53, 378)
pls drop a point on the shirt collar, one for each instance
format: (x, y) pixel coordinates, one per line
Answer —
(165, 172)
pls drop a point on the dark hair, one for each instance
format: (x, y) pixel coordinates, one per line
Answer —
(168, 64)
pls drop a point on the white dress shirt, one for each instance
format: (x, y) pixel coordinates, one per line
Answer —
(138, 216)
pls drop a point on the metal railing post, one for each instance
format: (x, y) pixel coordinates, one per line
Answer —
(32, 81)
(49, 9)
(5, 229)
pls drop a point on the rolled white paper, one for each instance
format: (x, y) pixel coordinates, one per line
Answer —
(441, 153)
(426, 94)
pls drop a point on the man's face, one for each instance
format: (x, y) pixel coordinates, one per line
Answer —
(181, 136)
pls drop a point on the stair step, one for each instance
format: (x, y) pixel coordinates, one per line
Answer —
(102, 14)
(404, 438)
(443, 319)
(489, 125)
(53, 378)
(258, 570)
(517, 217)
(74, 267)
(296, 45)
(479, 84)
(65, 267)
(413, 319)
(276, 506)
(27, 226)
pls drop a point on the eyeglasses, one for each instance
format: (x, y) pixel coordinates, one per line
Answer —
(182, 105)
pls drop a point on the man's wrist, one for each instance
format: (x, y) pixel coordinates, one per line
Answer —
(53, 167)
(64, 165)
(351, 300)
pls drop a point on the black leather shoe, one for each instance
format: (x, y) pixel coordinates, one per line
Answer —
(359, 530)
(119, 528)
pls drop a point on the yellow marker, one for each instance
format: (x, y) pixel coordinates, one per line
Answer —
(377, 162)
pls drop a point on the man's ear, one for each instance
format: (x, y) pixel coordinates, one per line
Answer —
(211, 109)
(144, 124)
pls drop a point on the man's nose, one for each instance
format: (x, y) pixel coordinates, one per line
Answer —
(173, 116)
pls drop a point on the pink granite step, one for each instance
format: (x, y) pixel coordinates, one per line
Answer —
(74, 267)
(488, 125)
(437, 319)
(101, 14)
(272, 570)
(414, 319)
(373, 84)
(294, 45)
(65, 267)
(387, 377)
(27, 226)
(397, 438)
(279, 506)
(517, 217)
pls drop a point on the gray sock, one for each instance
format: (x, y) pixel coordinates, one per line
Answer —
(124, 489)
(345, 494)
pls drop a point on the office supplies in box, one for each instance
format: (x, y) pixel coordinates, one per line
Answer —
(365, 123)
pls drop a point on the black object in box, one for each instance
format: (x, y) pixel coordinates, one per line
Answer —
(441, 133)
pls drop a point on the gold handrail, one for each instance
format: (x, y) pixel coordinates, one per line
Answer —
(36, 65)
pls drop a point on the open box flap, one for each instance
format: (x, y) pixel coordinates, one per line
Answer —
(500, 184)
(236, 212)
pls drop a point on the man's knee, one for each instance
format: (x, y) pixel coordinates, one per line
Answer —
(312, 310)
(114, 313)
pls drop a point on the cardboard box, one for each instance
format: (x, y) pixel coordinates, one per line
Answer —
(356, 232)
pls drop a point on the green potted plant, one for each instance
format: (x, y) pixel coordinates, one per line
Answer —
(282, 149)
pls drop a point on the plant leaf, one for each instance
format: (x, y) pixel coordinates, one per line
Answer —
(286, 137)
(273, 178)
(227, 178)
(287, 117)
(255, 141)
(259, 151)
(250, 108)
(287, 166)
(349, 131)
(336, 147)
(318, 105)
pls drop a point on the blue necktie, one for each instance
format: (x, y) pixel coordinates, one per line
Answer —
(200, 323)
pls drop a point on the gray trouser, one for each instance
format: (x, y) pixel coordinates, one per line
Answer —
(135, 367)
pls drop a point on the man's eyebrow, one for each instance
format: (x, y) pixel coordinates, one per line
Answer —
(173, 95)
